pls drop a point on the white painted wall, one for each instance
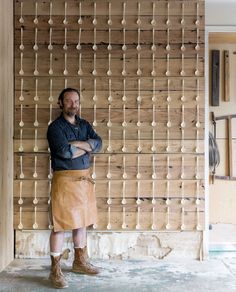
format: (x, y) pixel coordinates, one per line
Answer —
(220, 16)
(220, 12)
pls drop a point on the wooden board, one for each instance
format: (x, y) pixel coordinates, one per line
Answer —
(215, 81)
(6, 133)
(177, 188)
(87, 8)
(226, 76)
(116, 220)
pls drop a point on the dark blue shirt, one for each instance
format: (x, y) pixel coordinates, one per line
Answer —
(60, 133)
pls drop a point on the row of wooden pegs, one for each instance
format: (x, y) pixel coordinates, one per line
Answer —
(123, 21)
(124, 72)
(124, 166)
(138, 226)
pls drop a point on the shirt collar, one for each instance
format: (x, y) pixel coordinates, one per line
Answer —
(77, 118)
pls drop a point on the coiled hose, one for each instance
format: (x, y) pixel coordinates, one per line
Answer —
(214, 155)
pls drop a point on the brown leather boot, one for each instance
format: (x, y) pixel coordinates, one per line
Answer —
(57, 278)
(81, 263)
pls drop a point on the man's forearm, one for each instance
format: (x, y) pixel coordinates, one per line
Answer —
(78, 152)
(83, 145)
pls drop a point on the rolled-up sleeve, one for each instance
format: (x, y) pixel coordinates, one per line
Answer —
(95, 144)
(94, 140)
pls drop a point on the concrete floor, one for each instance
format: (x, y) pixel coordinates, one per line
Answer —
(217, 274)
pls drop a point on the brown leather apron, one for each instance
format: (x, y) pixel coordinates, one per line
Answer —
(73, 201)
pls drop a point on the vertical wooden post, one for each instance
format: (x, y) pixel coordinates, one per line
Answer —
(230, 160)
(226, 76)
(6, 133)
(215, 82)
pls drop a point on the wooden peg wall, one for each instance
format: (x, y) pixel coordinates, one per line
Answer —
(139, 65)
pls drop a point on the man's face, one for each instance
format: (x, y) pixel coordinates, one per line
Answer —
(71, 103)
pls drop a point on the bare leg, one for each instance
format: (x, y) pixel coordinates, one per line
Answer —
(79, 237)
(56, 241)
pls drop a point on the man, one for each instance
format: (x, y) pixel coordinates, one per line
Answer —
(73, 205)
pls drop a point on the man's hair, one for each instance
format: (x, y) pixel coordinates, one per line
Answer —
(62, 94)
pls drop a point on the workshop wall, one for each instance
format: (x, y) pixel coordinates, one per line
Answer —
(222, 199)
(140, 68)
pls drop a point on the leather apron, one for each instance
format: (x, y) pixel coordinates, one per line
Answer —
(73, 201)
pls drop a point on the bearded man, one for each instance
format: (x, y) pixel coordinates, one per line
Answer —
(73, 203)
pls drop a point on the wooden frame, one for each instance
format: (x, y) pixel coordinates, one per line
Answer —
(6, 134)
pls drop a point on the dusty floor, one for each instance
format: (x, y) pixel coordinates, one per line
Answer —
(217, 274)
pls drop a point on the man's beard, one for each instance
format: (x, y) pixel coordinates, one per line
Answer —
(71, 112)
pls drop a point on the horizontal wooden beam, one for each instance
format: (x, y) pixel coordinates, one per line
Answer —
(225, 177)
(117, 131)
(191, 220)
(117, 145)
(117, 84)
(87, 37)
(177, 188)
(87, 8)
(117, 52)
(116, 67)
